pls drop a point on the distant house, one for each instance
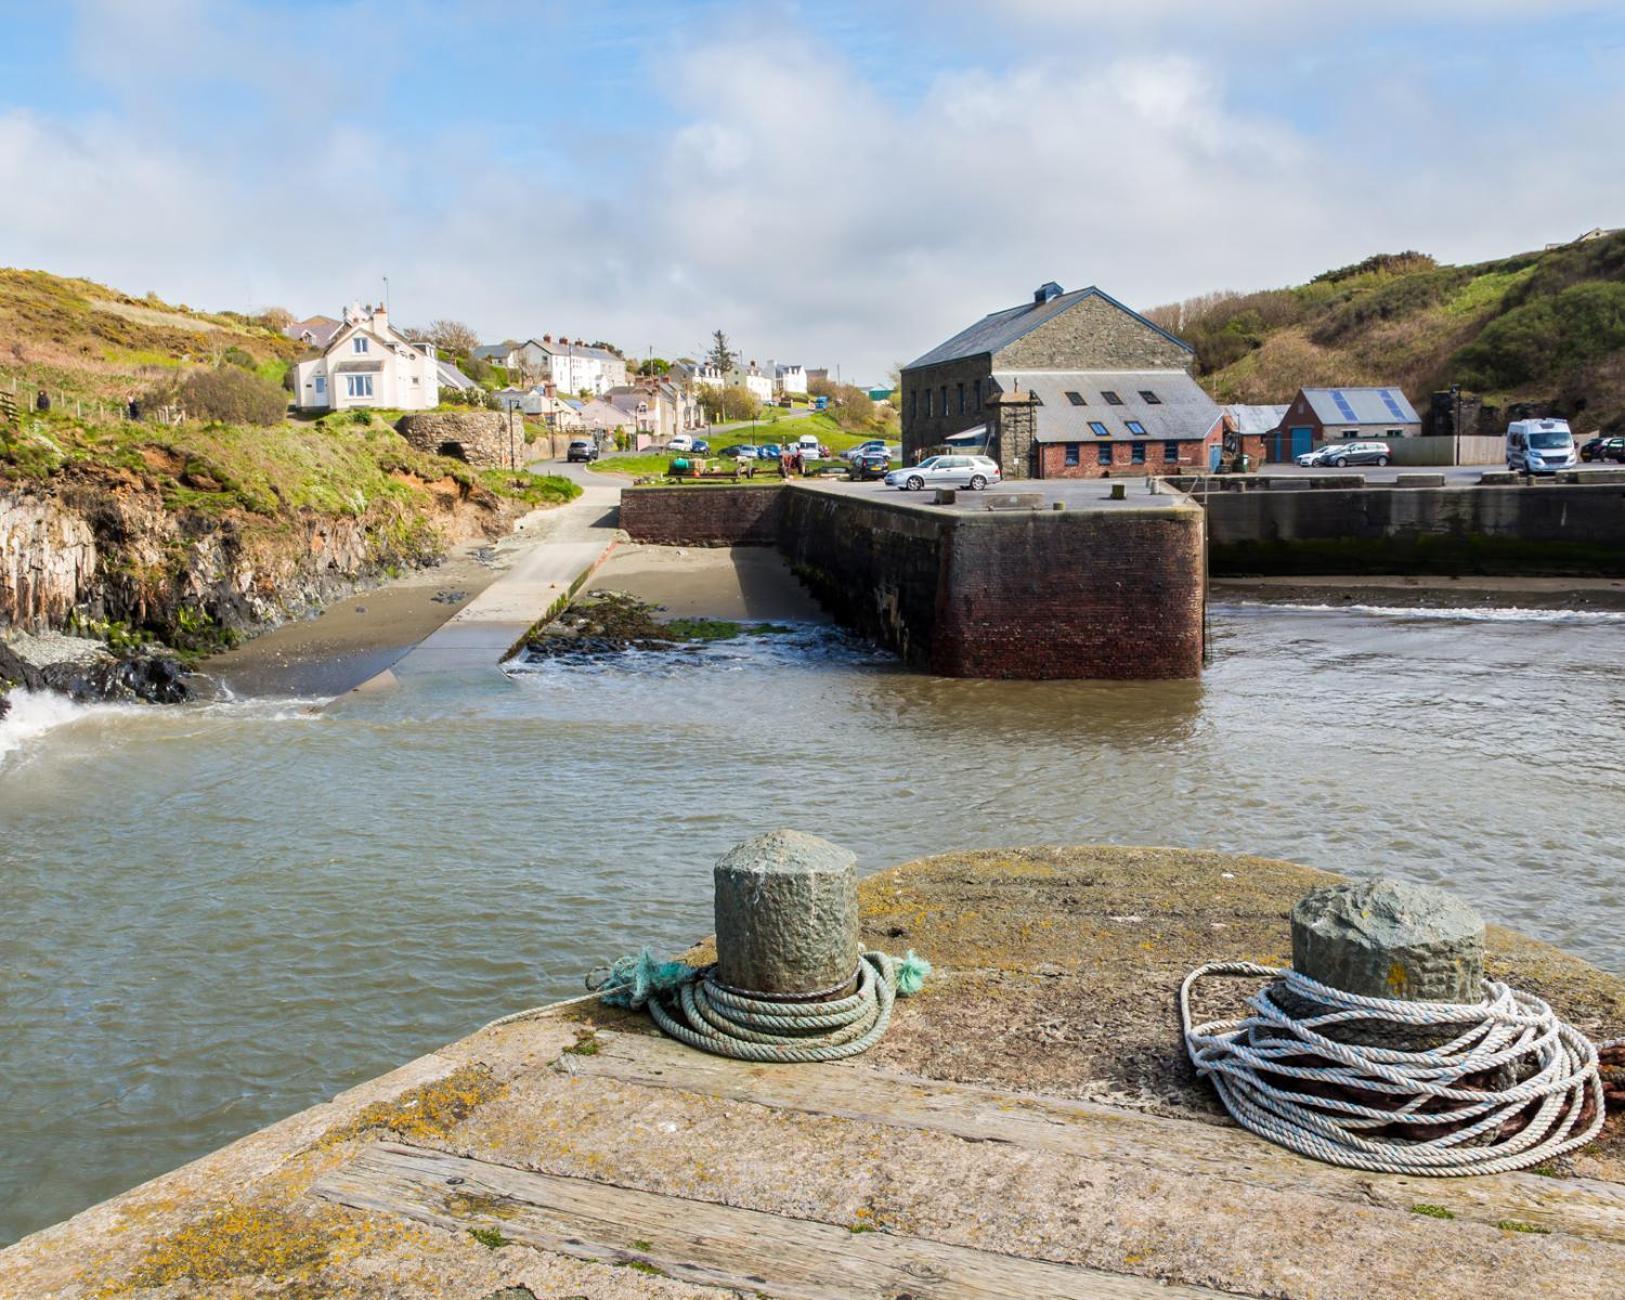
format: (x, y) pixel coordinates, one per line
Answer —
(316, 331)
(451, 377)
(790, 379)
(758, 381)
(368, 362)
(1319, 415)
(599, 416)
(539, 403)
(1596, 232)
(656, 407)
(1069, 385)
(1248, 430)
(569, 366)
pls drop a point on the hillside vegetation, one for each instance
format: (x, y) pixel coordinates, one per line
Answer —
(1544, 329)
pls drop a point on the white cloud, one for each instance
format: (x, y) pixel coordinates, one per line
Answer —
(787, 196)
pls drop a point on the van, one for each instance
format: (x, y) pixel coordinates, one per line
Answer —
(808, 446)
(1540, 446)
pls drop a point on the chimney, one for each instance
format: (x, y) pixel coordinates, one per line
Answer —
(547, 338)
(380, 318)
(1046, 292)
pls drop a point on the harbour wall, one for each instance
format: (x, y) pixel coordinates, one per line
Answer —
(1111, 594)
(1543, 529)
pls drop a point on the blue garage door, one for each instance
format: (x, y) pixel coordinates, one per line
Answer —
(1302, 440)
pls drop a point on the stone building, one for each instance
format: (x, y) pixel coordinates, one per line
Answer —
(1069, 385)
(484, 439)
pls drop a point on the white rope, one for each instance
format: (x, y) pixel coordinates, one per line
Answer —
(1262, 1069)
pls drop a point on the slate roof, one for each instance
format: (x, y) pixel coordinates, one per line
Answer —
(1257, 419)
(492, 352)
(451, 377)
(1182, 413)
(1002, 328)
(1385, 406)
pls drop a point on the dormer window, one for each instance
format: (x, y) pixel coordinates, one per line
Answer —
(359, 343)
(1149, 397)
(1135, 427)
(1112, 398)
(1075, 398)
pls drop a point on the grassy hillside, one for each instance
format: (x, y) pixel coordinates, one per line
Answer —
(1536, 328)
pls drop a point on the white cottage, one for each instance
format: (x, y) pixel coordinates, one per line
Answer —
(368, 362)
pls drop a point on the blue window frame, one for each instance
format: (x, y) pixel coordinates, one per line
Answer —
(1103, 453)
(1071, 453)
(1170, 452)
(359, 343)
(358, 385)
(1099, 429)
(1134, 426)
(1137, 453)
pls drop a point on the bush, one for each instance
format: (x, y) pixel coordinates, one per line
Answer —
(228, 393)
(1545, 338)
(237, 357)
(736, 402)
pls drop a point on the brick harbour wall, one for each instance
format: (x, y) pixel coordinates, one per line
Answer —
(1544, 529)
(696, 515)
(1044, 595)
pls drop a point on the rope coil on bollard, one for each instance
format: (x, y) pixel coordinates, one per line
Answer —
(1286, 1081)
(692, 1006)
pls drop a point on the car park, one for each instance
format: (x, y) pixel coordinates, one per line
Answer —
(974, 472)
(1339, 454)
(581, 449)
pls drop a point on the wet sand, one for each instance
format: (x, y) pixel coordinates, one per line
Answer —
(742, 582)
(1428, 592)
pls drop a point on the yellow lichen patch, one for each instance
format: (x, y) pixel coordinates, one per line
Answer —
(254, 1240)
(473, 1205)
(430, 1110)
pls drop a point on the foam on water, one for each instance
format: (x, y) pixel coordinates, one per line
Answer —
(34, 713)
(1438, 613)
(807, 644)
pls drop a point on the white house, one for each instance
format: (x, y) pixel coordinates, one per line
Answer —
(368, 362)
(753, 377)
(570, 367)
(791, 379)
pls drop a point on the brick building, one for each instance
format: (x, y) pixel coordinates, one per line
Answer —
(1043, 382)
(1319, 415)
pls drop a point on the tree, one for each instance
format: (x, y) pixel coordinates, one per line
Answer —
(721, 355)
(654, 366)
(453, 337)
(735, 402)
(276, 318)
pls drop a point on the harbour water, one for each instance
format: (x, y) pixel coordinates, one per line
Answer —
(213, 916)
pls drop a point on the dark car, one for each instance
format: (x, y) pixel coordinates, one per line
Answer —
(701, 447)
(869, 465)
(768, 451)
(583, 449)
(738, 449)
(1602, 448)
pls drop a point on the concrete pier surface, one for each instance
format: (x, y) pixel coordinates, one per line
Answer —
(1029, 1126)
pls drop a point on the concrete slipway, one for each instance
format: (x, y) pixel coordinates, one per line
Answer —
(1029, 1127)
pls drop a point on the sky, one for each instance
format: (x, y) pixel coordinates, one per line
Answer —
(842, 184)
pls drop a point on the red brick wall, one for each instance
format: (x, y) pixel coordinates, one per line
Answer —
(1073, 594)
(1192, 455)
(696, 515)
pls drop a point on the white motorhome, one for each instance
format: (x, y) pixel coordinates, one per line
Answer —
(1540, 446)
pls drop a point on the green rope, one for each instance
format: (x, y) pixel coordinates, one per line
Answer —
(689, 1005)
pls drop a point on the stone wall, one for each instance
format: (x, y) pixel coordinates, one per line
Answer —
(1043, 595)
(1093, 335)
(702, 515)
(482, 438)
(920, 431)
(1540, 529)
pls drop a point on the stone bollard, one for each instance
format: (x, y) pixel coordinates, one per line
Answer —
(787, 915)
(1388, 939)
(1119, 492)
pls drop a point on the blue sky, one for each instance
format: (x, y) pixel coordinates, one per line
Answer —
(834, 183)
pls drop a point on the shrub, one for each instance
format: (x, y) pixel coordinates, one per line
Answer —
(237, 357)
(1545, 338)
(228, 393)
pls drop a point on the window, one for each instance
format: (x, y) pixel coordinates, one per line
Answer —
(1134, 426)
(1071, 453)
(1396, 433)
(1170, 452)
(321, 383)
(359, 343)
(1103, 453)
(1137, 453)
(1150, 398)
(1099, 429)
(1075, 398)
(945, 399)
(358, 385)
(978, 394)
(928, 403)
(1112, 398)
(962, 399)
(913, 403)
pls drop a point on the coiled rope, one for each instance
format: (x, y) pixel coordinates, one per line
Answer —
(1432, 1111)
(692, 1006)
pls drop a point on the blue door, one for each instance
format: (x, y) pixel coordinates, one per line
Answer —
(1213, 454)
(1302, 440)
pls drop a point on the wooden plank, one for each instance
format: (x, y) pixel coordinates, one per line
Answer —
(705, 1243)
(1582, 1207)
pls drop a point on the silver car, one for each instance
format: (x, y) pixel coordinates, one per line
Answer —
(1347, 453)
(974, 472)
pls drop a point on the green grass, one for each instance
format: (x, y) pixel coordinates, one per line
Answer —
(1432, 1211)
(490, 1238)
(1518, 1225)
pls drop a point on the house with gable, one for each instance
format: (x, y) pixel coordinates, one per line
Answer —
(368, 362)
(1068, 385)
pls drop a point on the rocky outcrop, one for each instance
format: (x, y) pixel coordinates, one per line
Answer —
(47, 557)
(88, 670)
(481, 438)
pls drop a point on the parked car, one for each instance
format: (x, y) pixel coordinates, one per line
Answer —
(1603, 447)
(1348, 453)
(1591, 449)
(974, 472)
(1539, 446)
(738, 449)
(681, 442)
(874, 444)
(768, 451)
(809, 446)
(869, 465)
(700, 447)
(582, 449)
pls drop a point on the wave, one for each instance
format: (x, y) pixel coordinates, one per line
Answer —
(34, 713)
(788, 645)
(1439, 613)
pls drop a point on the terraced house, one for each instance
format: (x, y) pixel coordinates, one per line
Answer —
(1068, 385)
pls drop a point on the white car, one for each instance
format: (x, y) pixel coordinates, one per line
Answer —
(870, 447)
(681, 442)
(974, 472)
